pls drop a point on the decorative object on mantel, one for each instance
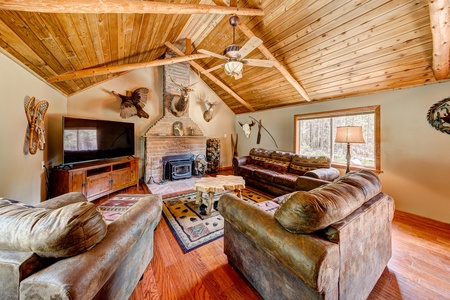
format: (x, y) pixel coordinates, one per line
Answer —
(349, 135)
(177, 128)
(260, 125)
(35, 135)
(133, 103)
(208, 113)
(180, 103)
(247, 127)
(439, 116)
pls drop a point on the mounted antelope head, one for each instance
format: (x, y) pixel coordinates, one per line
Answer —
(179, 103)
(247, 127)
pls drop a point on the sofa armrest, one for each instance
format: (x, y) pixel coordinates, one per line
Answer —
(328, 174)
(62, 200)
(313, 259)
(304, 183)
(241, 160)
(82, 276)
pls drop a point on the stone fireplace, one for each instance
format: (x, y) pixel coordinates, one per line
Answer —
(162, 139)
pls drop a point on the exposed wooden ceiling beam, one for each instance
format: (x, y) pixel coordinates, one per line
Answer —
(122, 68)
(123, 7)
(440, 30)
(248, 32)
(211, 77)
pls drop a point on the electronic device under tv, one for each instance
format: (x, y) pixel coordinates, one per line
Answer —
(87, 140)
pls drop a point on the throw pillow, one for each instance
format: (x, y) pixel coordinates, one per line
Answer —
(61, 232)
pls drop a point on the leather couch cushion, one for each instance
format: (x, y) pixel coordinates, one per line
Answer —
(301, 164)
(247, 170)
(306, 212)
(265, 174)
(62, 232)
(286, 179)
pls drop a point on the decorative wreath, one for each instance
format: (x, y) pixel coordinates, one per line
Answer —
(439, 116)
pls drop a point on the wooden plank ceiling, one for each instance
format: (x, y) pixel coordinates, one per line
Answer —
(333, 48)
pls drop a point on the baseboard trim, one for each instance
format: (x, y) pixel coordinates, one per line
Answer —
(424, 220)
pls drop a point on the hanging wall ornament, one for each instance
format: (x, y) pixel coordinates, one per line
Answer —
(35, 135)
(439, 116)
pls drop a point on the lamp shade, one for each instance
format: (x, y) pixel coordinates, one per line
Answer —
(233, 68)
(349, 134)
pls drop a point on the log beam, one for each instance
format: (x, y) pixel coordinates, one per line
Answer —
(211, 77)
(440, 30)
(248, 32)
(123, 68)
(123, 7)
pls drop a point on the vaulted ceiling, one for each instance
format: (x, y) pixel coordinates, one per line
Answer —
(327, 48)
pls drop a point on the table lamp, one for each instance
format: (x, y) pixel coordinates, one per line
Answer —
(349, 135)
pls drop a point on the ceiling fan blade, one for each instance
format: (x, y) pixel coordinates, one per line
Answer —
(212, 54)
(213, 68)
(251, 44)
(259, 62)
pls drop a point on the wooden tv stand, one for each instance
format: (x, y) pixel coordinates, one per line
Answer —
(95, 179)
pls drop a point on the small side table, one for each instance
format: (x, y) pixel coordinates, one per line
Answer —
(218, 184)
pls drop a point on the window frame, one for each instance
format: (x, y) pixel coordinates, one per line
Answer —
(375, 109)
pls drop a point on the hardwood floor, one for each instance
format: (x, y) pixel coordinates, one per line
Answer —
(419, 267)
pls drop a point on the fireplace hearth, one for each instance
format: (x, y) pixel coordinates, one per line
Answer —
(176, 167)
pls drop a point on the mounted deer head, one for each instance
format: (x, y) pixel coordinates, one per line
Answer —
(179, 103)
(208, 114)
(247, 127)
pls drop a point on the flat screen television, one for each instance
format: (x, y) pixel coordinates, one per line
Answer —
(88, 139)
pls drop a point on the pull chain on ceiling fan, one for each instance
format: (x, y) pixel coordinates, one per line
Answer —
(235, 54)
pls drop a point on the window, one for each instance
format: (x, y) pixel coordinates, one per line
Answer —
(315, 134)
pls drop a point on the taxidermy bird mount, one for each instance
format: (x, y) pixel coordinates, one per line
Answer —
(133, 103)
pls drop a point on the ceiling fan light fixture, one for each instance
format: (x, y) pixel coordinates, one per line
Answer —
(234, 68)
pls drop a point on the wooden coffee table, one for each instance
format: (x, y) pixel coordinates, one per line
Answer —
(218, 184)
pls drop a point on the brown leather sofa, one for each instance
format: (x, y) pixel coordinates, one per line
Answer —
(63, 249)
(332, 242)
(279, 172)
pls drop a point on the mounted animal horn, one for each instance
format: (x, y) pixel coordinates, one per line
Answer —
(247, 127)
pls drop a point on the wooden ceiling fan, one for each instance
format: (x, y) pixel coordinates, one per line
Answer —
(235, 55)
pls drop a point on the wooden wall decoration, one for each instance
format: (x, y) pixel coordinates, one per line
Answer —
(35, 135)
(439, 116)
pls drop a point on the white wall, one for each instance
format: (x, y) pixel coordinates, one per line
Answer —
(98, 102)
(414, 156)
(21, 175)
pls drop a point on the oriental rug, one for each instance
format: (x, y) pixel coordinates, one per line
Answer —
(192, 229)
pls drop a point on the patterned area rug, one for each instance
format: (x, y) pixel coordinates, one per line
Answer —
(191, 229)
(118, 205)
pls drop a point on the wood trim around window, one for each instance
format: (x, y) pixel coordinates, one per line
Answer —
(345, 112)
